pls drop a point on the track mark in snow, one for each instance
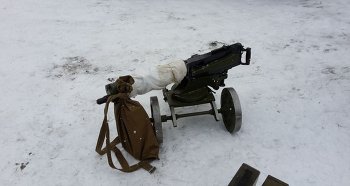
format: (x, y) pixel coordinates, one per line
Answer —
(174, 148)
(171, 16)
(303, 46)
(345, 69)
(329, 50)
(312, 4)
(335, 74)
(55, 151)
(328, 70)
(191, 28)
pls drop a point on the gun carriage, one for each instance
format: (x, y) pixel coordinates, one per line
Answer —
(204, 72)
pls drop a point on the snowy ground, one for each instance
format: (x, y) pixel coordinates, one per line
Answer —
(56, 57)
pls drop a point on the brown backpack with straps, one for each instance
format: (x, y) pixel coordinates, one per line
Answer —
(135, 130)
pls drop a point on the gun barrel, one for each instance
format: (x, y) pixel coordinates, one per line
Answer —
(102, 100)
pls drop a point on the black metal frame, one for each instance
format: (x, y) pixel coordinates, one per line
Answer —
(230, 110)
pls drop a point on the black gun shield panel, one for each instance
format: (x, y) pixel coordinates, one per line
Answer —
(157, 121)
(231, 110)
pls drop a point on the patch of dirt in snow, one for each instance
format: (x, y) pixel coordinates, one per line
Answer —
(74, 66)
(216, 44)
(212, 45)
(21, 166)
(71, 67)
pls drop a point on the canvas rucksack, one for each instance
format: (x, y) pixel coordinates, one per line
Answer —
(135, 130)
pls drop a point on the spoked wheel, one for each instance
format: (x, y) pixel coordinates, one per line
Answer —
(231, 110)
(157, 121)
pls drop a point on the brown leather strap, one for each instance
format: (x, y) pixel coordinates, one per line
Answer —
(111, 146)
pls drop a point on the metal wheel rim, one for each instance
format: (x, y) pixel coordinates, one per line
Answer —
(157, 121)
(231, 110)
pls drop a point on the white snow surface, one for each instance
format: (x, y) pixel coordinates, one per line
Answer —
(56, 57)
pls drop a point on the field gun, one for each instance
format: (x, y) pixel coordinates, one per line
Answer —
(204, 73)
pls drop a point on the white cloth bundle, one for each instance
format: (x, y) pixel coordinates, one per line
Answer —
(158, 77)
